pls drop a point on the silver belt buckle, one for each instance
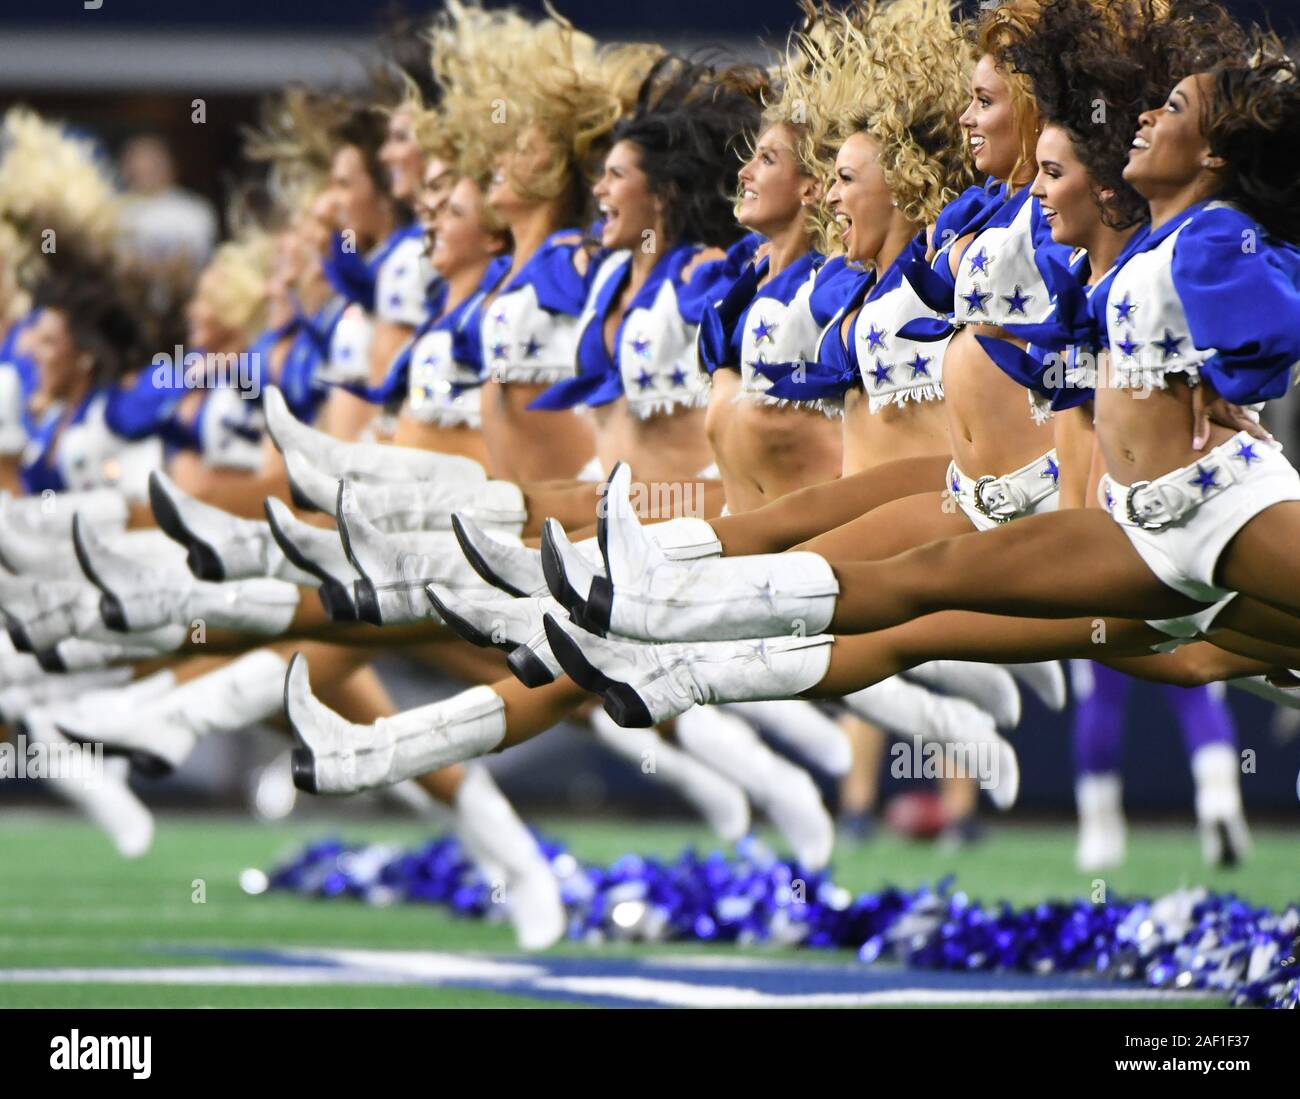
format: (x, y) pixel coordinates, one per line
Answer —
(981, 506)
(1131, 508)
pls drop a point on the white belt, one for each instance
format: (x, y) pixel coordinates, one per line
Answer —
(1011, 496)
(1154, 505)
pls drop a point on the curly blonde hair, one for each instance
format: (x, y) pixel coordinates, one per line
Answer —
(52, 180)
(242, 268)
(895, 70)
(999, 30)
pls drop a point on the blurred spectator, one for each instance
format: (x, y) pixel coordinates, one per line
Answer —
(163, 221)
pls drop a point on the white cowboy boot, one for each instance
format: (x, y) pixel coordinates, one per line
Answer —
(160, 736)
(906, 709)
(51, 513)
(782, 790)
(719, 800)
(492, 831)
(647, 596)
(361, 461)
(138, 595)
(334, 756)
(41, 613)
(506, 564)
(988, 686)
(396, 568)
(24, 552)
(99, 788)
(569, 568)
(802, 727)
(1220, 818)
(106, 649)
(1102, 832)
(502, 622)
(643, 685)
(40, 689)
(411, 505)
(1046, 678)
(219, 546)
(318, 552)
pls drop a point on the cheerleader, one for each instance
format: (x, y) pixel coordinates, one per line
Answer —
(803, 651)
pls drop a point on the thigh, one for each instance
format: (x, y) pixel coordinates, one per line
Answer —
(1064, 564)
(801, 516)
(1261, 559)
(1247, 615)
(858, 661)
(892, 528)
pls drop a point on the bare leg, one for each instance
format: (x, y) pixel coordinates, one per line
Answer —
(893, 527)
(1062, 565)
(802, 515)
(1261, 559)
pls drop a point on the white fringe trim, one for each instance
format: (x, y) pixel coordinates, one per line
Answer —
(531, 375)
(932, 392)
(1153, 377)
(447, 417)
(1040, 408)
(830, 408)
(665, 406)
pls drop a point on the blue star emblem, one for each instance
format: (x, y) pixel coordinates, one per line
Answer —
(1128, 347)
(976, 301)
(1110, 499)
(499, 350)
(1016, 301)
(920, 364)
(645, 379)
(678, 376)
(500, 317)
(1125, 309)
(532, 348)
(979, 262)
(763, 331)
(1169, 345)
(1246, 452)
(1052, 470)
(956, 485)
(881, 372)
(394, 301)
(1204, 479)
(345, 352)
(641, 347)
(399, 271)
(875, 339)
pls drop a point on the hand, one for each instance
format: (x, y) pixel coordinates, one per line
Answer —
(1210, 408)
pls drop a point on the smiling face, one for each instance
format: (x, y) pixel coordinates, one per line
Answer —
(206, 328)
(528, 160)
(358, 203)
(628, 207)
(1064, 189)
(859, 198)
(1169, 149)
(773, 185)
(436, 185)
(990, 122)
(60, 366)
(402, 157)
(461, 239)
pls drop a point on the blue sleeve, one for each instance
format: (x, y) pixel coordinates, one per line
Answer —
(560, 286)
(1241, 296)
(349, 274)
(141, 408)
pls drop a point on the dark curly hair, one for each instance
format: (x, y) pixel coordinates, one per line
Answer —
(105, 306)
(1252, 120)
(1096, 65)
(692, 123)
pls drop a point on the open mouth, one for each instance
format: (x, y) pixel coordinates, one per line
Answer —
(976, 142)
(1049, 212)
(1140, 144)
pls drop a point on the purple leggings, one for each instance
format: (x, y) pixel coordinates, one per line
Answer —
(1099, 719)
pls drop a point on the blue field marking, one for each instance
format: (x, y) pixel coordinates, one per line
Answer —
(684, 980)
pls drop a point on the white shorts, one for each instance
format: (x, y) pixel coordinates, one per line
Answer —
(1030, 490)
(1241, 478)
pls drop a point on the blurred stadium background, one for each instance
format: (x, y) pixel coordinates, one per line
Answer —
(132, 68)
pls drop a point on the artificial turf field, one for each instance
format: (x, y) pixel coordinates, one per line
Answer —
(80, 927)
